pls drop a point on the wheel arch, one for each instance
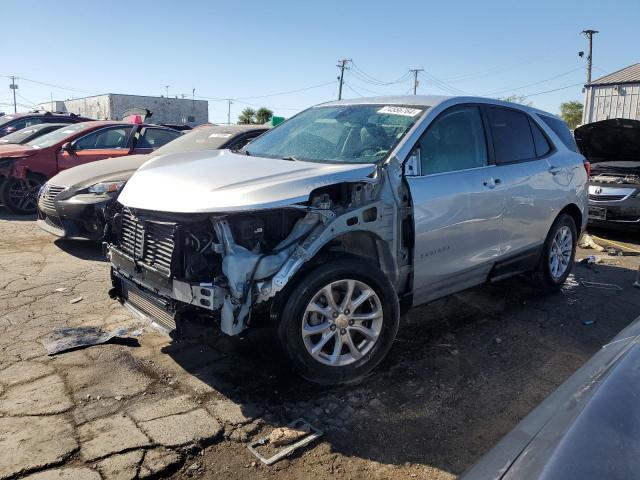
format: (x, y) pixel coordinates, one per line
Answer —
(575, 213)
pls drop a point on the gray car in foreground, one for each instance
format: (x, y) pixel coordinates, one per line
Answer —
(588, 429)
(333, 222)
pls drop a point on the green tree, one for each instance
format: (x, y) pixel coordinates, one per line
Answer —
(571, 112)
(521, 99)
(247, 116)
(263, 115)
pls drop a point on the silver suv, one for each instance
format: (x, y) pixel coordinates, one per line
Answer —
(339, 219)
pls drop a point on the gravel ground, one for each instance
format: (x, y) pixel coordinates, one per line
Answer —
(462, 373)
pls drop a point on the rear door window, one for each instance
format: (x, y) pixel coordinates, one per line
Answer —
(561, 129)
(512, 138)
(156, 137)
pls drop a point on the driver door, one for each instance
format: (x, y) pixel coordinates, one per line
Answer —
(457, 204)
(103, 143)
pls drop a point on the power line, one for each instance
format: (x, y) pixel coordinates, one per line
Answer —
(353, 89)
(554, 90)
(365, 77)
(442, 85)
(60, 87)
(532, 84)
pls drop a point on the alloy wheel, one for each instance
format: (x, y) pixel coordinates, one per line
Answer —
(560, 252)
(23, 194)
(342, 322)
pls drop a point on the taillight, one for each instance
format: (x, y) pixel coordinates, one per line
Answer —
(587, 167)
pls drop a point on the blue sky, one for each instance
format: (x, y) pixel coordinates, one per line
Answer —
(245, 50)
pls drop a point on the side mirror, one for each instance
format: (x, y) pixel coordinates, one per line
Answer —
(67, 147)
(411, 167)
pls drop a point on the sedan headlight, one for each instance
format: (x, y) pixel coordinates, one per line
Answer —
(106, 187)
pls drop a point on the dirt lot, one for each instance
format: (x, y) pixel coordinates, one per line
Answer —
(462, 373)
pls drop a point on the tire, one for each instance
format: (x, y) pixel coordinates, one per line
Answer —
(21, 196)
(546, 275)
(361, 344)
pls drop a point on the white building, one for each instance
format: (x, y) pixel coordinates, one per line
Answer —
(114, 106)
(616, 95)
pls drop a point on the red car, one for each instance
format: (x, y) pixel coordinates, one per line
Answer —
(25, 168)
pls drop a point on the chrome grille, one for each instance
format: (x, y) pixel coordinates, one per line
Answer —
(49, 194)
(605, 198)
(150, 242)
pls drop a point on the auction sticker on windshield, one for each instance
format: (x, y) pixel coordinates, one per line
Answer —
(404, 111)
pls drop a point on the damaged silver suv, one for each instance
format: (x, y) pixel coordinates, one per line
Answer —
(345, 215)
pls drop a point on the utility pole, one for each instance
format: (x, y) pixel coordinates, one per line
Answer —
(14, 87)
(229, 111)
(415, 72)
(193, 98)
(342, 65)
(589, 34)
(167, 88)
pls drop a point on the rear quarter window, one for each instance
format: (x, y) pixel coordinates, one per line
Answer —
(561, 129)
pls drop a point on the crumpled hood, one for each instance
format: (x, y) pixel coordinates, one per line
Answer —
(16, 151)
(614, 140)
(223, 181)
(110, 169)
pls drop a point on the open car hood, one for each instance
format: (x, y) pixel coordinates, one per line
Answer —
(614, 140)
(223, 181)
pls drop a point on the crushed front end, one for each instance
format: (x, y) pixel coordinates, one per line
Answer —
(166, 266)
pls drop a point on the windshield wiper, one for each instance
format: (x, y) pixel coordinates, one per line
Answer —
(241, 151)
(290, 158)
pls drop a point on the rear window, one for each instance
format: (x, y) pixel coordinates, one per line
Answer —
(512, 139)
(561, 130)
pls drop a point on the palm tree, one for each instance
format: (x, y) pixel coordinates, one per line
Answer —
(247, 116)
(263, 115)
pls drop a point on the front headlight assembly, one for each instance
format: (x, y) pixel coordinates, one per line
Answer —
(106, 187)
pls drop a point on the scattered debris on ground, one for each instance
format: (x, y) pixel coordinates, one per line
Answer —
(65, 339)
(601, 286)
(587, 241)
(75, 300)
(296, 435)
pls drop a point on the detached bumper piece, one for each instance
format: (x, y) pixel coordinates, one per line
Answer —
(51, 223)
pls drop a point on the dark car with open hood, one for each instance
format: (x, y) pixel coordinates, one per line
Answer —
(613, 149)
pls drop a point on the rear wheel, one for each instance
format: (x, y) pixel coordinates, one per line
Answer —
(558, 253)
(20, 196)
(339, 321)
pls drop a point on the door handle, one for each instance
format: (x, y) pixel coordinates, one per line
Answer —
(554, 170)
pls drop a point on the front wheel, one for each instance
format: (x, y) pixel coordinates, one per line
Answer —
(339, 321)
(20, 196)
(558, 253)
